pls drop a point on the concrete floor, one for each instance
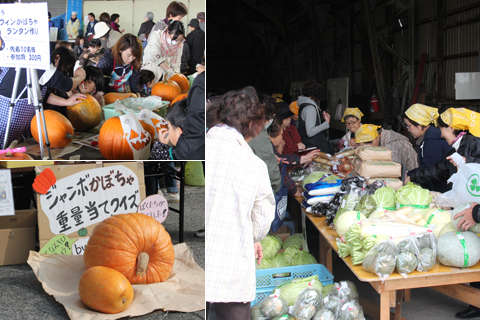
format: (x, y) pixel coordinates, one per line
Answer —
(23, 298)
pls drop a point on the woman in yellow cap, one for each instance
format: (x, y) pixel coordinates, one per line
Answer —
(402, 150)
(461, 129)
(352, 118)
(432, 148)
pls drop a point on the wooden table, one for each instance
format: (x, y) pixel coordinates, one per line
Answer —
(448, 280)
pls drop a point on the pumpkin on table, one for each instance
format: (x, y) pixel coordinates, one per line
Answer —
(136, 245)
(59, 129)
(167, 90)
(182, 81)
(86, 114)
(9, 155)
(111, 97)
(105, 290)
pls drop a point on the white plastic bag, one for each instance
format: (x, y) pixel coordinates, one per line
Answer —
(466, 184)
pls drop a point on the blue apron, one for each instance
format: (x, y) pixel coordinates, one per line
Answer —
(281, 199)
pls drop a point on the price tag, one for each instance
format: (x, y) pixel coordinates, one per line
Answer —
(155, 206)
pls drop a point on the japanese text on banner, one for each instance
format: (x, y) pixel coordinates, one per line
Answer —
(90, 196)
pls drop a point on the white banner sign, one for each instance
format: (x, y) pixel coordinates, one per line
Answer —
(24, 35)
(90, 196)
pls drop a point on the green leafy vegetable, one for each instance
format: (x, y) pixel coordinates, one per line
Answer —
(317, 175)
(384, 197)
(280, 261)
(411, 194)
(289, 253)
(270, 246)
(303, 258)
(295, 240)
(290, 290)
(366, 205)
(264, 264)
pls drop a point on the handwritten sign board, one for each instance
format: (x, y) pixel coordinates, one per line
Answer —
(155, 206)
(7, 207)
(86, 194)
(25, 36)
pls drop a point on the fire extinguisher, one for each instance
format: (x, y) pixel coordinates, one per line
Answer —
(375, 107)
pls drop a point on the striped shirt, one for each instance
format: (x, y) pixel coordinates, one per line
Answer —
(240, 208)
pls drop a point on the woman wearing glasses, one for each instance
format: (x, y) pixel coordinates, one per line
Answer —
(352, 118)
(432, 148)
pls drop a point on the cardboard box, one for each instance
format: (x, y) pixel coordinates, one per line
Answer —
(17, 236)
(62, 171)
(25, 163)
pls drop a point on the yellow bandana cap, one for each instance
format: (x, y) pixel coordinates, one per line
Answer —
(462, 119)
(293, 107)
(422, 114)
(352, 112)
(366, 133)
(278, 97)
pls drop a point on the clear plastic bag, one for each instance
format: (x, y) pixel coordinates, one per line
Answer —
(307, 304)
(324, 314)
(274, 305)
(347, 291)
(138, 104)
(381, 259)
(427, 255)
(350, 311)
(331, 302)
(256, 313)
(407, 258)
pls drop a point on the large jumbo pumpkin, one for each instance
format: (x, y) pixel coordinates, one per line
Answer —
(111, 97)
(113, 143)
(167, 90)
(59, 129)
(182, 81)
(105, 290)
(136, 245)
(179, 97)
(86, 114)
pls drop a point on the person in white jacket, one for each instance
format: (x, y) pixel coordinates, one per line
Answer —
(73, 26)
(163, 54)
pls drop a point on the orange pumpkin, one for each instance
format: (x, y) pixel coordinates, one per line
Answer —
(182, 81)
(59, 129)
(167, 90)
(86, 114)
(179, 97)
(136, 245)
(111, 97)
(113, 143)
(15, 156)
(148, 127)
(105, 290)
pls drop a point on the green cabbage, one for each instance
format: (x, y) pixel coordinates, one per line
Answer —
(280, 261)
(270, 246)
(411, 194)
(303, 257)
(289, 253)
(264, 264)
(290, 290)
(385, 197)
(317, 175)
(295, 240)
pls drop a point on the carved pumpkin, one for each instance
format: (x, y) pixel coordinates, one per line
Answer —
(182, 81)
(59, 129)
(148, 127)
(152, 122)
(111, 97)
(113, 143)
(136, 245)
(86, 114)
(167, 90)
(105, 290)
(178, 98)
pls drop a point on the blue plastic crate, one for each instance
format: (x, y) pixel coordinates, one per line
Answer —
(268, 279)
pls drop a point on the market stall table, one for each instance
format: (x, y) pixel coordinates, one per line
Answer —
(447, 280)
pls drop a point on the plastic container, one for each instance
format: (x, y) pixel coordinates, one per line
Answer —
(110, 112)
(268, 279)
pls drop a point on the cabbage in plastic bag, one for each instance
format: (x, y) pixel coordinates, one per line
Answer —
(290, 290)
(347, 290)
(350, 311)
(324, 314)
(427, 255)
(381, 259)
(366, 205)
(270, 246)
(307, 303)
(256, 313)
(331, 302)
(273, 306)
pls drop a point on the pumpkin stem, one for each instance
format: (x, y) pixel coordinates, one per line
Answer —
(74, 137)
(142, 262)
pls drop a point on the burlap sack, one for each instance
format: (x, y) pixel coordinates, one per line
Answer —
(391, 182)
(379, 169)
(373, 153)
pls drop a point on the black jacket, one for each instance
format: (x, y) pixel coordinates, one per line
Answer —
(146, 26)
(469, 148)
(191, 144)
(196, 42)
